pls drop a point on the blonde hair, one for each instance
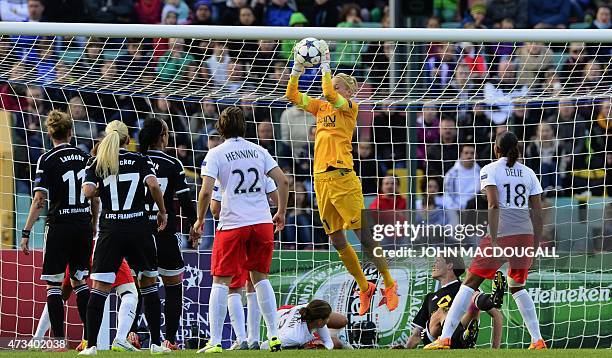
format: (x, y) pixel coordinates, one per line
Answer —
(350, 82)
(108, 150)
(58, 125)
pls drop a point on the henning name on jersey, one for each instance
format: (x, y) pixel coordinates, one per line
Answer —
(241, 154)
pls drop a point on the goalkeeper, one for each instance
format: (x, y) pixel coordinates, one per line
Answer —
(337, 188)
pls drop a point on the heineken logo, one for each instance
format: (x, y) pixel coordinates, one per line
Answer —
(581, 294)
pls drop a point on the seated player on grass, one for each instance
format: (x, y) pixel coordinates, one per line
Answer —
(308, 326)
(428, 322)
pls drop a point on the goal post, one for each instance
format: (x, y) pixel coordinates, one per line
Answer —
(425, 96)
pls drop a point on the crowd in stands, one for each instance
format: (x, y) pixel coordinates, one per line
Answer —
(565, 142)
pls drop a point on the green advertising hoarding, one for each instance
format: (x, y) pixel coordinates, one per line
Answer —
(572, 300)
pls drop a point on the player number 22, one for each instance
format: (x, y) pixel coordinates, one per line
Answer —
(252, 189)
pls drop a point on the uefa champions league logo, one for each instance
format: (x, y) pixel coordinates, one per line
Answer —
(192, 277)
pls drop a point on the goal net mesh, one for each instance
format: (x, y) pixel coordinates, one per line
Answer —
(420, 104)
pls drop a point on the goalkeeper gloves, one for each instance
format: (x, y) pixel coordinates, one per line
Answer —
(325, 58)
(297, 69)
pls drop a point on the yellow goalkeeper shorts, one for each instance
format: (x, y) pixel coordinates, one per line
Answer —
(340, 200)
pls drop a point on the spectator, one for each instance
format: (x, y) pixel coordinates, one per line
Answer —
(433, 189)
(462, 181)
(295, 124)
(277, 149)
(14, 10)
(347, 55)
(572, 71)
(217, 63)
(132, 65)
(181, 9)
(391, 138)
(477, 16)
(148, 11)
(499, 10)
(36, 9)
(29, 132)
(432, 213)
(231, 13)
(263, 62)
(524, 121)
(571, 127)
(473, 59)
(297, 20)
(85, 126)
(43, 61)
(202, 13)
(323, 13)
(446, 9)
(533, 60)
(109, 11)
(440, 66)
(552, 84)
(428, 128)
(235, 77)
(502, 50)
(173, 64)
(299, 231)
(380, 57)
(602, 19)
(169, 15)
(278, 13)
(244, 50)
(433, 22)
(545, 14)
(389, 197)
(366, 167)
(501, 91)
(461, 86)
(173, 115)
(593, 77)
(442, 156)
(543, 155)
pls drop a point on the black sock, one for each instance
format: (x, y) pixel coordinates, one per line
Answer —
(95, 311)
(172, 309)
(55, 306)
(82, 299)
(152, 310)
(483, 302)
(137, 313)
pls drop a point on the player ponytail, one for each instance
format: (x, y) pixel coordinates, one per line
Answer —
(108, 149)
(59, 125)
(231, 123)
(316, 309)
(507, 143)
(150, 133)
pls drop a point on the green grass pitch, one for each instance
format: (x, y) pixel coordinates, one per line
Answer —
(362, 353)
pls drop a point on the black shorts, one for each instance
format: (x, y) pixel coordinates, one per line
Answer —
(137, 247)
(457, 341)
(66, 244)
(170, 261)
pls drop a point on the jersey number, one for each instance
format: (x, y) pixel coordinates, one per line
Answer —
(111, 181)
(71, 179)
(163, 184)
(252, 189)
(519, 195)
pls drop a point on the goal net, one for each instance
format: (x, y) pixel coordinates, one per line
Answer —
(430, 105)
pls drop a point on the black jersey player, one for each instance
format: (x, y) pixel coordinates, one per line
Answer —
(68, 232)
(153, 139)
(119, 178)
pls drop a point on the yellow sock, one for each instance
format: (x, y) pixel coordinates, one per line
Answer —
(389, 281)
(351, 262)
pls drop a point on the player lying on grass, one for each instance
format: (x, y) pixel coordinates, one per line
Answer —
(249, 338)
(308, 326)
(245, 225)
(337, 188)
(427, 324)
(515, 222)
(68, 228)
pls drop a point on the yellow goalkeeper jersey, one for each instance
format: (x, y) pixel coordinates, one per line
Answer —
(336, 121)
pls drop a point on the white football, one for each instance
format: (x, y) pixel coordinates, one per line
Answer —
(307, 52)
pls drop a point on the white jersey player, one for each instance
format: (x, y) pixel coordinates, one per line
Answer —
(245, 224)
(515, 224)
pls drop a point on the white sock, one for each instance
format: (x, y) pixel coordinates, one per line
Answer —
(457, 310)
(236, 313)
(267, 305)
(253, 318)
(126, 315)
(217, 310)
(44, 324)
(527, 308)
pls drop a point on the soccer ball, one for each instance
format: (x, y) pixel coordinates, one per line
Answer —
(307, 52)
